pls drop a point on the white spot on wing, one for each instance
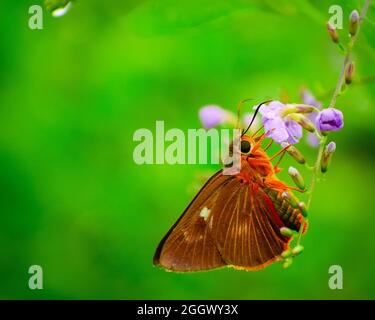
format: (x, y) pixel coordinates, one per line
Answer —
(205, 212)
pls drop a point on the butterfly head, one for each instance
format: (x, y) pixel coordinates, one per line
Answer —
(251, 150)
(248, 146)
(254, 159)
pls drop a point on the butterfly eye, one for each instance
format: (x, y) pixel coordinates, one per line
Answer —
(245, 146)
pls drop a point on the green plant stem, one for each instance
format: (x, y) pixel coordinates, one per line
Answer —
(339, 84)
(347, 56)
(314, 177)
(336, 93)
(356, 82)
(322, 144)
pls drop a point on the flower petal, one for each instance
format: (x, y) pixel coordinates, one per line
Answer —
(309, 99)
(275, 128)
(271, 110)
(294, 131)
(212, 116)
(312, 139)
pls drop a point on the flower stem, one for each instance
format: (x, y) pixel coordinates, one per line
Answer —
(347, 56)
(316, 169)
(314, 177)
(323, 139)
(340, 81)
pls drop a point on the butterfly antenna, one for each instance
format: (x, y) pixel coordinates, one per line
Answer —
(255, 114)
(239, 110)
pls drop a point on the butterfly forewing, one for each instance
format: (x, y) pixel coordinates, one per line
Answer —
(189, 246)
(227, 223)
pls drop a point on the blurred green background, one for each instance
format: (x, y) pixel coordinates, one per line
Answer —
(73, 201)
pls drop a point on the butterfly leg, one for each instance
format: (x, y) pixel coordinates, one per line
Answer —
(284, 187)
(277, 168)
(281, 186)
(256, 132)
(280, 152)
(268, 145)
(258, 142)
(260, 138)
(296, 189)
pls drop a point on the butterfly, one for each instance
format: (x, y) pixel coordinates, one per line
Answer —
(234, 220)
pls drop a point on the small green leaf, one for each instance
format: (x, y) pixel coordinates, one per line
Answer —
(287, 263)
(286, 254)
(57, 7)
(297, 250)
(343, 89)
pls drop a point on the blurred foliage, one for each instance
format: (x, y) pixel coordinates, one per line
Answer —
(73, 201)
(52, 5)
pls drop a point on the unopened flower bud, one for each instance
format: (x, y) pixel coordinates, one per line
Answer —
(302, 207)
(298, 108)
(287, 263)
(305, 122)
(349, 72)
(333, 33)
(297, 177)
(329, 119)
(331, 147)
(297, 250)
(327, 156)
(295, 153)
(292, 200)
(286, 254)
(286, 232)
(353, 22)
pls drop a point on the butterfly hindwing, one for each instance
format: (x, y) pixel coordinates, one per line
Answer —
(246, 229)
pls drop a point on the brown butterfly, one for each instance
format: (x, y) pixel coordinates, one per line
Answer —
(234, 220)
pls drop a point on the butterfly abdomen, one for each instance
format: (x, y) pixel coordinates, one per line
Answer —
(290, 216)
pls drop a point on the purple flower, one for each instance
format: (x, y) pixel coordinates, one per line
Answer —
(212, 116)
(329, 120)
(308, 98)
(280, 129)
(312, 140)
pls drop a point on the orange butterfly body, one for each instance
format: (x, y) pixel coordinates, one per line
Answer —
(234, 220)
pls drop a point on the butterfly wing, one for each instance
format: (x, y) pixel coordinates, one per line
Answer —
(227, 223)
(189, 246)
(247, 228)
